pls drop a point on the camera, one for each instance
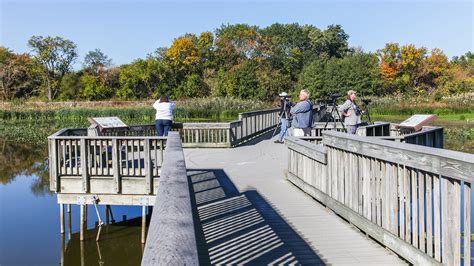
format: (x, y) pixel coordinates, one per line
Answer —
(335, 95)
(366, 101)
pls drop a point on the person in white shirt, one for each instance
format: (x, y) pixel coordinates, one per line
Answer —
(164, 115)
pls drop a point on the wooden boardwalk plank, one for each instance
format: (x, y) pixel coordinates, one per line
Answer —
(260, 170)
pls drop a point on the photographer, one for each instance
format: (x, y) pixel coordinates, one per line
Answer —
(351, 112)
(285, 116)
(302, 115)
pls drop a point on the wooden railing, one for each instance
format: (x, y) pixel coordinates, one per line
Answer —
(428, 136)
(104, 164)
(210, 135)
(171, 236)
(413, 199)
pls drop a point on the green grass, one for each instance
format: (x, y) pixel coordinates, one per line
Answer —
(33, 126)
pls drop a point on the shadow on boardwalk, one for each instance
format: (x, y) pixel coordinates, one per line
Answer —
(242, 228)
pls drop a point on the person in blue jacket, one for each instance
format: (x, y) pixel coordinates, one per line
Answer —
(302, 114)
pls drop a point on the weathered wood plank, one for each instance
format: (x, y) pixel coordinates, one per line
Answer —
(410, 253)
(456, 165)
(467, 224)
(84, 168)
(401, 200)
(451, 248)
(148, 167)
(421, 193)
(171, 236)
(414, 199)
(429, 214)
(437, 217)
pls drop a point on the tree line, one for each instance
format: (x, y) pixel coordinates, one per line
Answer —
(236, 60)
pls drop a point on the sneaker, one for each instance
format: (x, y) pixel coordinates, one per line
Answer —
(277, 141)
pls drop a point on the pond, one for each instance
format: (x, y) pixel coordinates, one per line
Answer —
(29, 219)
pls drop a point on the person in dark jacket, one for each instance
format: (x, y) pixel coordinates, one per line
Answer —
(285, 117)
(302, 114)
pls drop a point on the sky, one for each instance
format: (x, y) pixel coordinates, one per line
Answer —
(127, 30)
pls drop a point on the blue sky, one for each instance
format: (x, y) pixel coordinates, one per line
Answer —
(126, 30)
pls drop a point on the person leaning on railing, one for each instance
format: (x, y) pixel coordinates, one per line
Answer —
(164, 115)
(302, 115)
(351, 112)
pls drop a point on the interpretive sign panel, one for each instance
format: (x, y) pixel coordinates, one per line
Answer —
(416, 122)
(112, 122)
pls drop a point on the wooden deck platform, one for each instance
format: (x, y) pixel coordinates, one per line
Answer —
(250, 213)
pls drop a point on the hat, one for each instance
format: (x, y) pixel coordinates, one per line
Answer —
(283, 94)
(350, 92)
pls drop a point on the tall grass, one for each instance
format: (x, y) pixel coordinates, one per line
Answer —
(29, 125)
(402, 105)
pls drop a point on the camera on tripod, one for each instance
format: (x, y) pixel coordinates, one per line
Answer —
(366, 101)
(335, 95)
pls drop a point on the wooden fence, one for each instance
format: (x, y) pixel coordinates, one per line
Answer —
(104, 164)
(413, 199)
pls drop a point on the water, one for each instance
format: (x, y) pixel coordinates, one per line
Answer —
(29, 219)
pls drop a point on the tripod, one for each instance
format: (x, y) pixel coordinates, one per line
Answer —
(366, 112)
(285, 105)
(331, 118)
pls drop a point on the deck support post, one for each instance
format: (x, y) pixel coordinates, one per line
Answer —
(69, 226)
(61, 217)
(82, 221)
(107, 214)
(143, 223)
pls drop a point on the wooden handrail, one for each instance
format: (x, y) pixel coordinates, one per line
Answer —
(171, 236)
(454, 164)
(408, 197)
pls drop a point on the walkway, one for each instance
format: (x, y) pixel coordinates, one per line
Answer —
(251, 214)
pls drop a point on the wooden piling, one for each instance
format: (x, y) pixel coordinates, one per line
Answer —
(143, 223)
(61, 217)
(85, 215)
(107, 214)
(81, 223)
(69, 226)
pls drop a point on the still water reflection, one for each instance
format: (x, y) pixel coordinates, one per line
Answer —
(29, 219)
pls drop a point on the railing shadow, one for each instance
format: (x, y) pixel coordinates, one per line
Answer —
(264, 136)
(242, 228)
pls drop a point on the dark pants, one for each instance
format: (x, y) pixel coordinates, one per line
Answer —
(163, 126)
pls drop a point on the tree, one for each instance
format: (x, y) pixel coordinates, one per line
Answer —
(97, 61)
(56, 55)
(390, 62)
(412, 62)
(95, 88)
(72, 86)
(236, 43)
(183, 53)
(358, 71)
(144, 78)
(20, 76)
(284, 46)
(331, 42)
(433, 68)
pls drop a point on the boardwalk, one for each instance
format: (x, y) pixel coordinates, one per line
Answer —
(249, 213)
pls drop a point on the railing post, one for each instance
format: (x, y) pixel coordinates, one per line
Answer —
(148, 169)
(84, 163)
(450, 221)
(229, 141)
(116, 165)
(53, 165)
